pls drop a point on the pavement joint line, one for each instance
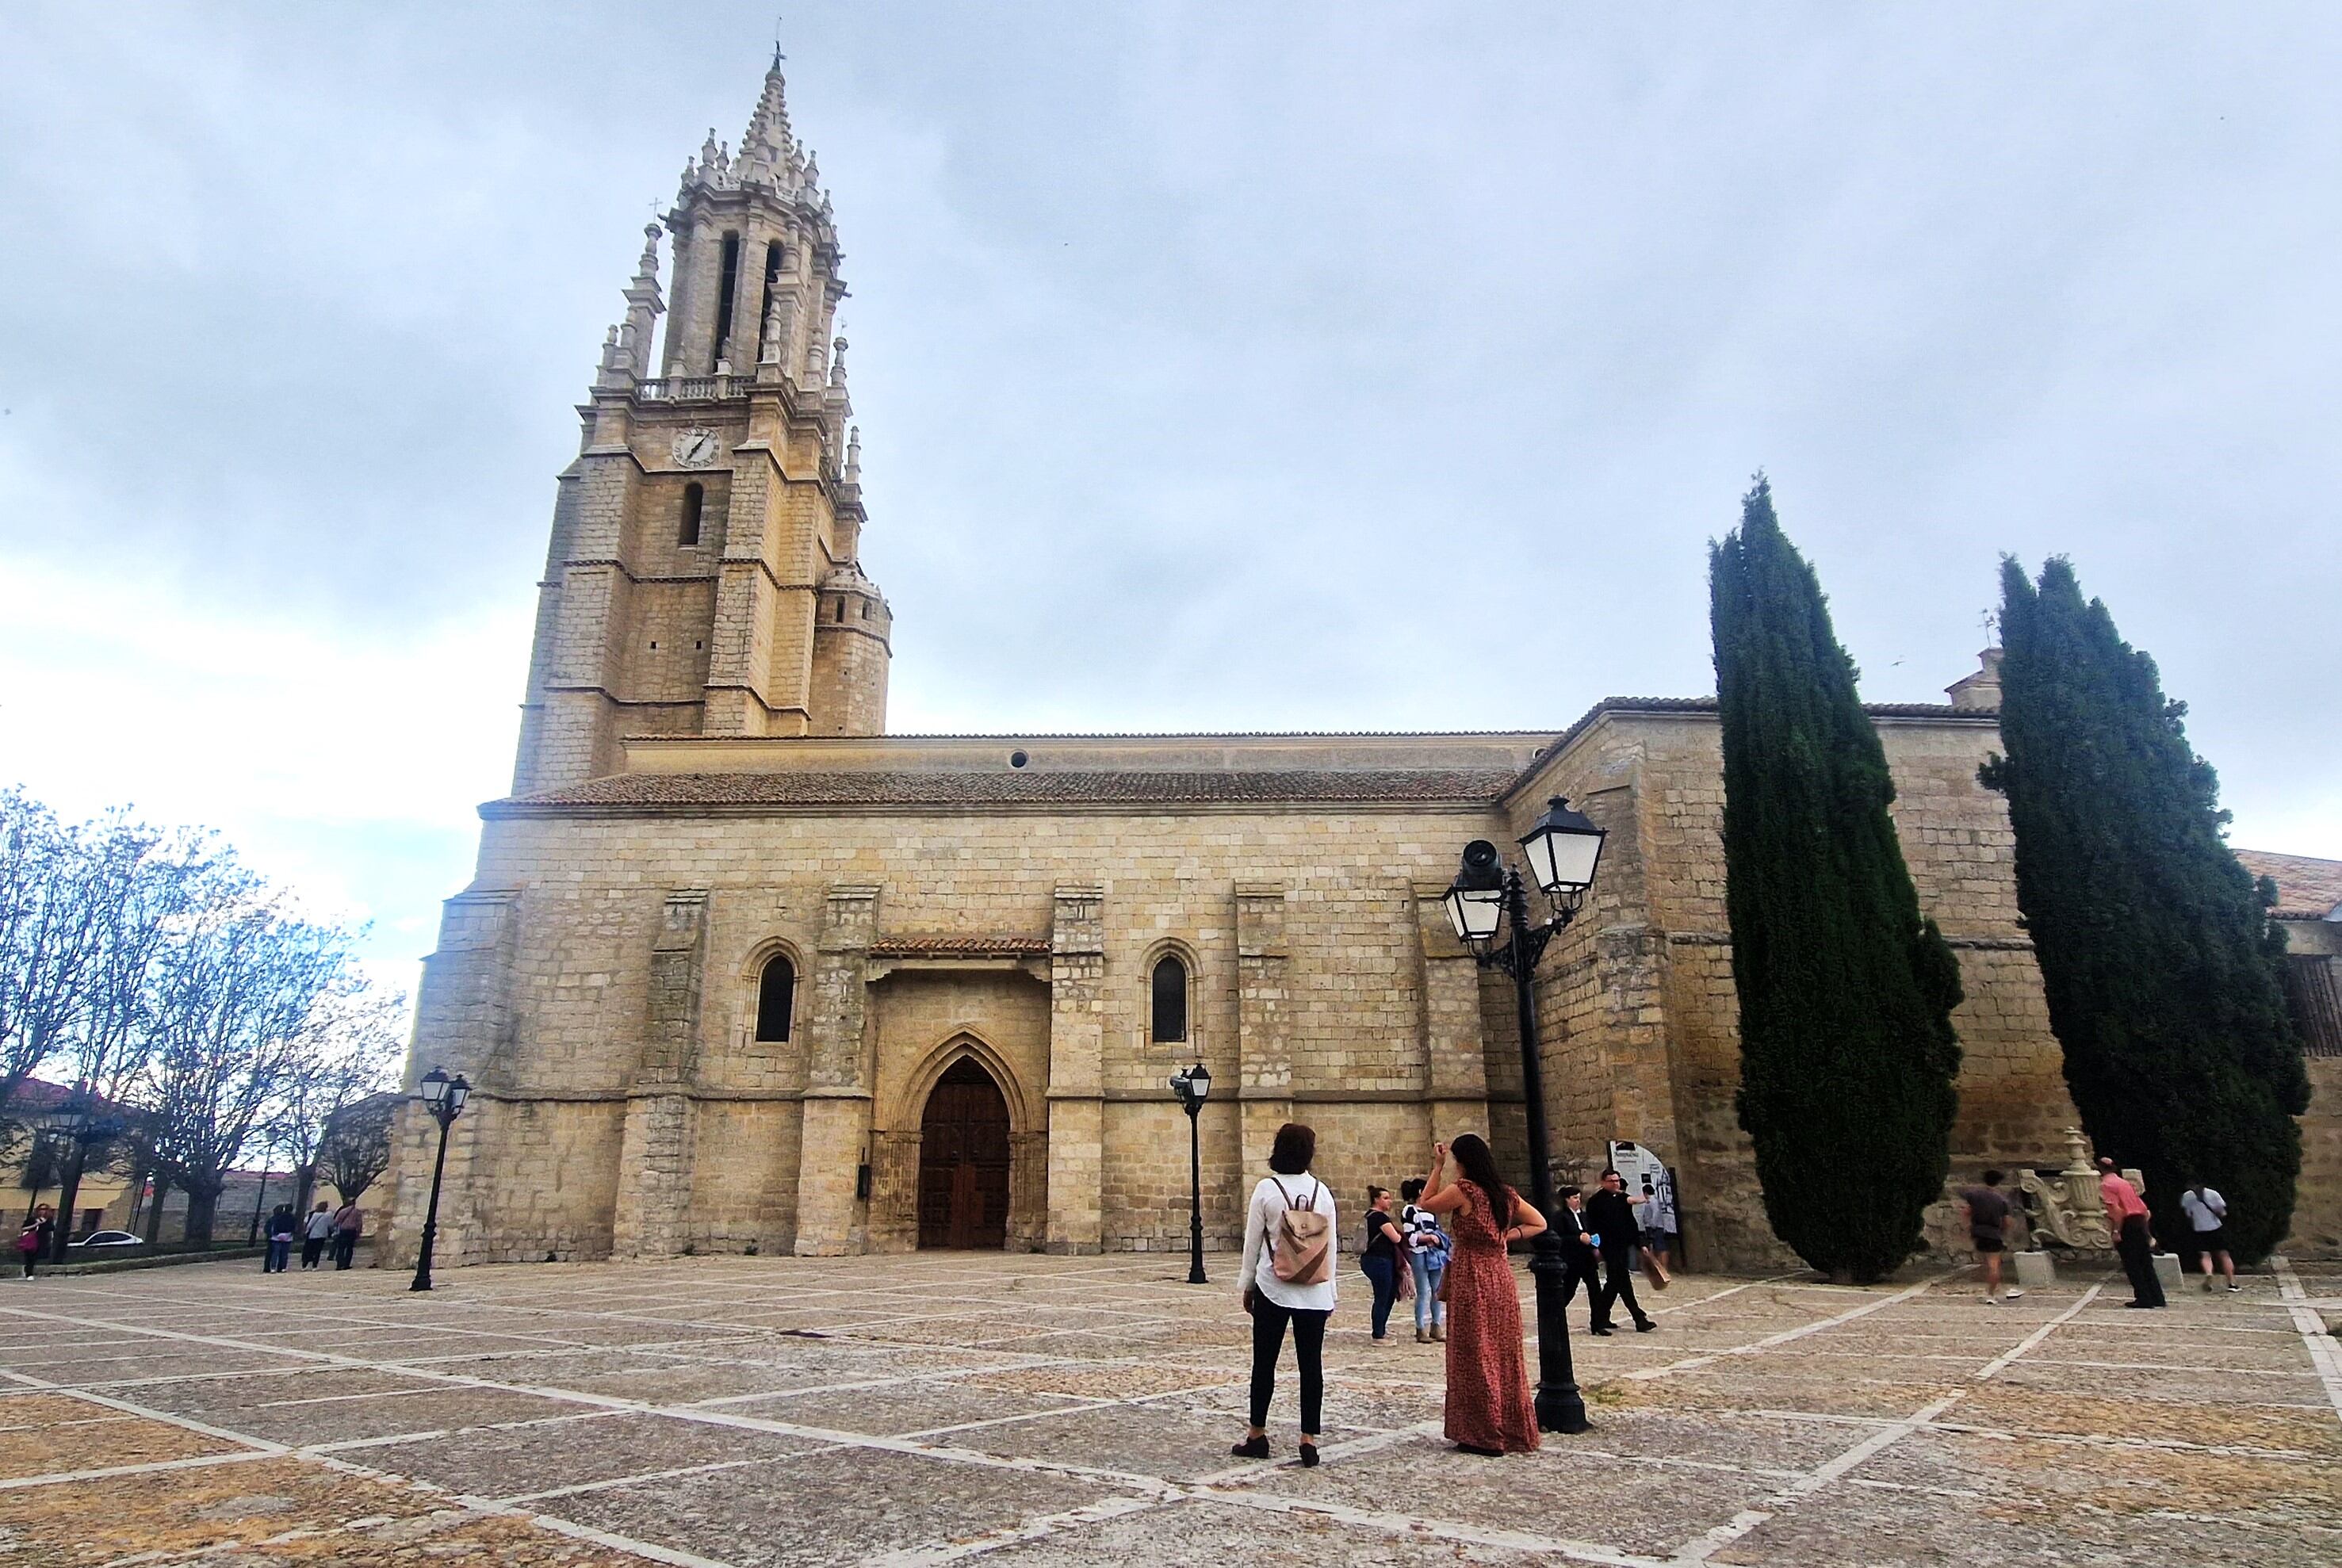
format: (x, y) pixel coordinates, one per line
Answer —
(1710, 1542)
(114, 1472)
(1413, 1528)
(218, 1434)
(944, 1376)
(1036, 1529)
(676, 1472)
(2323, 1355)
(1785, 1336)
(822, 1434)
(261, 1448)
(344, 1398)
(1719, 1296)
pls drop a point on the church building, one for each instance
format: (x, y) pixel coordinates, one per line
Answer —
(740, 972)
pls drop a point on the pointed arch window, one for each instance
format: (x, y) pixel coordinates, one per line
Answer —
(694, 506)
(776, 997)
(1170, 987)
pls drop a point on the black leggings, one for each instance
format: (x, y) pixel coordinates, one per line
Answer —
(1268, 1321)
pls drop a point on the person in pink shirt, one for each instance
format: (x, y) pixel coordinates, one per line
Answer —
(2126, 1218)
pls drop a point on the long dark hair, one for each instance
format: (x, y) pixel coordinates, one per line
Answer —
(1476, 1166)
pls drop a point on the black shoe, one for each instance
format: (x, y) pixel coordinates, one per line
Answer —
(1309, 1456)
(2143, 1306)
(1483, 1452)
(1644, 1326)
(1605, 1330)
(1251, 1448)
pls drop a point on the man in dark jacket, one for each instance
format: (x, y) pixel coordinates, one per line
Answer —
(1609, 1214)
(1577, 1252)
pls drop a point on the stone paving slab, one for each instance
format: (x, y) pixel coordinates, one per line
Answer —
(831, 1507)
(713, 1411)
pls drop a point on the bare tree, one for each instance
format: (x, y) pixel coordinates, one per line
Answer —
(355, 1148)
(350, 1050)
(236, 992)
(48, 936)
(139, 884)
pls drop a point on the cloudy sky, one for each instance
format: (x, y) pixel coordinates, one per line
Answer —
(1218, 365)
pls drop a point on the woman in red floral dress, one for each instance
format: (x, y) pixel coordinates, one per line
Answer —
(1489, 1405)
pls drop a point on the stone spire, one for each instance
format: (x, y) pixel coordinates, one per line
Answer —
(854, 456)
(766, 145)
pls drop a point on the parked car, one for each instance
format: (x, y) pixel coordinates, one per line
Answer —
(100, 1239)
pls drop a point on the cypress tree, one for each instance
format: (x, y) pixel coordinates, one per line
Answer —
(2158, 955)
(1848, 1054)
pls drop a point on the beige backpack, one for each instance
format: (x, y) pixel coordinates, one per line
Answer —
(1301, 1248)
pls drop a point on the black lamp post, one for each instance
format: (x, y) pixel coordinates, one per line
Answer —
(444, 1097)
(1562, 848)
(1191, 1084)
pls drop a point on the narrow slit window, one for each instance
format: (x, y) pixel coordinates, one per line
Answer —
(1170, 982)
(727, 284)
(694, 505)
(776, 997)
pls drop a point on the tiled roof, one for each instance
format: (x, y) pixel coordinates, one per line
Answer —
(1332, 786)
(921, 944)
(1561, 743)
(2308, 888)
(38, 1097)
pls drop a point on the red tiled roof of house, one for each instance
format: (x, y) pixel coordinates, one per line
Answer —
(38, 1097)
(2308, 888)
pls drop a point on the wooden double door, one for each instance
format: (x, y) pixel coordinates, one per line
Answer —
(964, 1160)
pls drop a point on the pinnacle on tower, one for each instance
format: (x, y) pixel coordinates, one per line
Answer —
(765, 145)
(643, 306)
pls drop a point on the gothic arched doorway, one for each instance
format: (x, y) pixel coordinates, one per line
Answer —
(964, 1160)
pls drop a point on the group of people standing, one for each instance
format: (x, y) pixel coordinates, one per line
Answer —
(317, 1231)
(1990, 1212)
(1448, 1241)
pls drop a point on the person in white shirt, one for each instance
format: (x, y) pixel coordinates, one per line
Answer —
(2208, 1211)
(317, 1230)
(1273, 1303)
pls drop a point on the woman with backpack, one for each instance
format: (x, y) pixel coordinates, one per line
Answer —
(1489, 1407)
(1427, 1259)
(1289, 1278)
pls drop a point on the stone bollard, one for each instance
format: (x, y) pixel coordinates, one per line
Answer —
(2166, 1269)
(2034, 1271)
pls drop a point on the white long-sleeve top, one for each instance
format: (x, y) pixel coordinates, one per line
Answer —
(1259, 1256)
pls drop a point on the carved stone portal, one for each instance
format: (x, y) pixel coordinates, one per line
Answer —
(2065, 1209)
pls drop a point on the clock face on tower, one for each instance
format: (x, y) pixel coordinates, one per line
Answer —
(697, 448)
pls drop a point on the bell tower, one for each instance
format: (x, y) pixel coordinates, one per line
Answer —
(704, 577)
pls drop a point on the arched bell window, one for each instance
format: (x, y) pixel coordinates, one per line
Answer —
(694, 503)
(776, 997)
(1169, 982)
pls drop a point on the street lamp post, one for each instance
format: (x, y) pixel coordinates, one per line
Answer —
(1191, 1084)
(1488, 907)
(444, 1097)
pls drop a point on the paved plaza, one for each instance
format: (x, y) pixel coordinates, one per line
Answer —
(1042, 1411)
